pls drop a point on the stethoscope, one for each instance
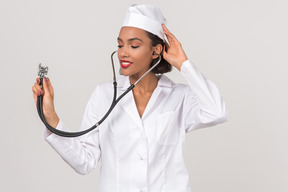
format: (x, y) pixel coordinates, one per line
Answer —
(42, 72)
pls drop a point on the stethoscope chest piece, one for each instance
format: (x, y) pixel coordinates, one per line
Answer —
(42, 71)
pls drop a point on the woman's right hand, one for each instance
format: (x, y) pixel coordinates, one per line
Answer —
(47, 91)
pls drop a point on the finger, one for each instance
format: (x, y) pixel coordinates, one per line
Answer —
(38, 80)
(49, 85)
(171, 38)
(45, 86)
(167, 32)
(165, 51)
(35, 94)
(166, 45)
(38, 89)
(165, 29)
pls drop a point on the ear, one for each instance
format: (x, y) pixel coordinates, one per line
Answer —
(157, 50)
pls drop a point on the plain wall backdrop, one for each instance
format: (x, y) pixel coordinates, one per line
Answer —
(241, 45)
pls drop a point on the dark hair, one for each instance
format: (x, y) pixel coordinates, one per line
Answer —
(163, 66)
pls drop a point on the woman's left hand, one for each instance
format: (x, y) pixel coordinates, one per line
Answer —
(175, 54)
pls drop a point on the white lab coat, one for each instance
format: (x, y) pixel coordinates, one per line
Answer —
(142, 154)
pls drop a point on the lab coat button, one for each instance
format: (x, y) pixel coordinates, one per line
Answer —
(141, 158)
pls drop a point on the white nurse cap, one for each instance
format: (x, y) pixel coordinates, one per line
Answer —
(146, 17)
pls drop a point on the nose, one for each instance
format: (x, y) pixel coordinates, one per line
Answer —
(123, 52)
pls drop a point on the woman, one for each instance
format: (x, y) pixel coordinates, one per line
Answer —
(141, 143)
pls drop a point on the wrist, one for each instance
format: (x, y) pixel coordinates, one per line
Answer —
(52, 119)
(180, 63)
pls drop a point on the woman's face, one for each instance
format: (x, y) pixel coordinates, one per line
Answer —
(134, 51)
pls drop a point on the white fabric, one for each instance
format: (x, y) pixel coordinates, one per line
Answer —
(143, 154)
(146, 17)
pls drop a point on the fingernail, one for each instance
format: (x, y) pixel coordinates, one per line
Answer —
(38, 81)
(41, 92)
(38, 94)
(45, 79)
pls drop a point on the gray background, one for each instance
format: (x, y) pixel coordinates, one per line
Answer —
(241, 45)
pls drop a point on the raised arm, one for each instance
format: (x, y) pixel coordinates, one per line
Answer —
(203, 104)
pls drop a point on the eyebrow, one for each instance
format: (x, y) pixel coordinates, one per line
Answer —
(132, 39)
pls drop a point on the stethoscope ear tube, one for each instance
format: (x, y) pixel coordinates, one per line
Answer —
(113, 104)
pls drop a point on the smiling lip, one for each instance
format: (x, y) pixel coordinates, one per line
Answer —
(125, 64)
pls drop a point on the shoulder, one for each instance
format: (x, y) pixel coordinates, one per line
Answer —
(166, 82)
(104, 85)
(102, 89)
(102, 95)
(108, 86)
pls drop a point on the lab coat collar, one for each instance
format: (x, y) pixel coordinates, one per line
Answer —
(128, 102)
(164, 81)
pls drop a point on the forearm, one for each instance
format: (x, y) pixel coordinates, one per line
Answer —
(204, 105)
(52, 119)
(81, 153)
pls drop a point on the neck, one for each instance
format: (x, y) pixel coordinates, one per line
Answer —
(146, 84)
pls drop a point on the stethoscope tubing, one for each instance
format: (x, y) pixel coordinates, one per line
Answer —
(113, 104)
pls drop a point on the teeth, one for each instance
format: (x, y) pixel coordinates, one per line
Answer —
(125, 63)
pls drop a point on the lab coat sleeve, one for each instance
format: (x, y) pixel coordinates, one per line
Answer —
(203, 104)
(81, 153)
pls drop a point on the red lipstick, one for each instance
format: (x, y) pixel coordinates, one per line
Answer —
(125, 64)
